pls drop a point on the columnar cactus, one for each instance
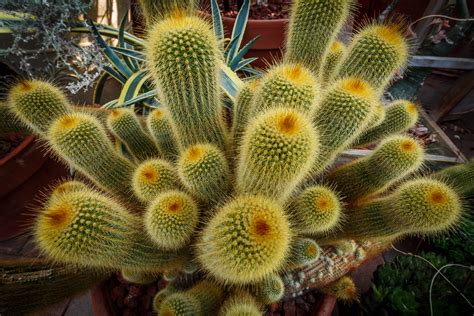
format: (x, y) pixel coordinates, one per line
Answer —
(242, 212)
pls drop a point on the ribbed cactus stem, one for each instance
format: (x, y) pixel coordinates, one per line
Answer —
(400, 115)
(277, 152)
(163, 130)
(241, 112)
(240, 304)
(37, 104)
(81, 140)
(90, 229)
(393, 160)
(204, 171)
(270, 290)
(153, 177)
(313, 27)
(171, 219)
(335, 54)
(245, 241)
(287, 85)
(183, 57)
(375, 54)
(125, 125)
(342, 116)
(316, 210)
(421, 206)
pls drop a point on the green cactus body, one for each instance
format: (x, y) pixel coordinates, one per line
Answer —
(400, 115)
(304, 251)
(278, 150)
(161, 296)
(240, 304)
(80, 139)
(89, 229)
(152, 177)
(204, 171)
(313, 26)
(37, 104)
(287, 85)
(270, 290)
(202, 299)
(242, 109)
(421, 206)
(375, 54)
(9, 122)
(183, 58)
(154, 10)
(164, 133)
(460, 176)
(377, 117)
(137, 277)
(317, 210)
(343, 289)
(344, 113)
(171, 219)
(245, 241)
(333, 57)
(125, 126)
(394, 159)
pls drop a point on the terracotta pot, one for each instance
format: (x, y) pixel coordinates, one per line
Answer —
(268, 48)
(24, 172)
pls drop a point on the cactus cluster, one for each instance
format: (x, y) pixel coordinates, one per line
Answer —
(242, 201)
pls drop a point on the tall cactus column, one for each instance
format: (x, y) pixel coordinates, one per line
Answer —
(183, 58)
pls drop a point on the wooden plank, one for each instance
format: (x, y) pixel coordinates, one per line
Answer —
(441, 62)
(455, 94)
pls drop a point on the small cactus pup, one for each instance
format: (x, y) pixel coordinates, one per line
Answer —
(336, 52)
(393, 160)
(89, 229)
(152, 177)
(125, 125)
(240, 304)
(157, 9)
(270, 290)
(241, 110)
(304, 251)
(245, 241)
(344, 113)
(278, 150)
(161, 295)
(81, 140)
(163, 130)
(313, 26)
(37, 104)
(202, 299)
(421, 206)
(287, 85)
(204, 171)
(343, 289)
(377, 51)
(171, 219)
(317, 210)
(183, 57)
(400, 115)
(137, 277)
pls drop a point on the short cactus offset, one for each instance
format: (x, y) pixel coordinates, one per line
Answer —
(342, 116)
(240, 304)
(125, 125)
(161, 295)
(333, 57)
(287, 85)
(270, 290)
(163, 130)
(343, 289)
(393, 160)
(375, 54)
(204, 171)
(400, 115)
(246, 241)
(37, 104)
(152, 177)
(187, 78)
(304, 251)
(171, 219)
(278, 150)
(87, 228)
(81, 140)
(317, 210)
(421, 206)
(313, 26)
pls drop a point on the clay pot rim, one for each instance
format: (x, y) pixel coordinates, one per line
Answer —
(29, 139)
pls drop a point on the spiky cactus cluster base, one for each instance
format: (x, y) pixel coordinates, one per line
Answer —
(256, 208)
